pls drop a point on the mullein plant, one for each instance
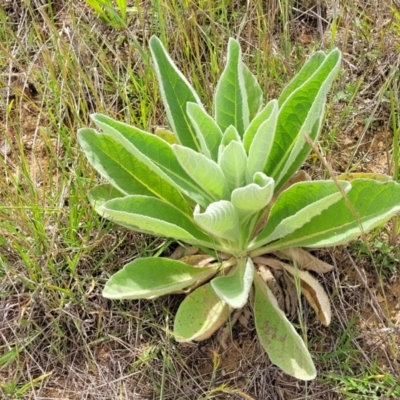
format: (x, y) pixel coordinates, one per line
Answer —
(230, 185)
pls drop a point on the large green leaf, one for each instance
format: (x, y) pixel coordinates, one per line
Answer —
(156, 150)
(151, 215)
(200, 315)
(299, 115)
(296, 206)
(176, 91)
(235, 288)
(231, 102)
(277, 335)
(147, 278)
(303, 75)
(101, 194)
(209, 134)
(206, 172)
(254, 93)
(262, 142)
(369, 204)
(256, 122)
(124, 171)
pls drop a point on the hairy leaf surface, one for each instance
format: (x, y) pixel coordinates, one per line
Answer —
(231, 102)
(220, 219)
(128, 174)
(301, 114)
(234, 289)
(176, 92)
(206, 172)
(158, 152)
(296, 206)
(200, 315)
(280, 340)
(147, 278)
(369, 203)
(209, 134)
(151, 215)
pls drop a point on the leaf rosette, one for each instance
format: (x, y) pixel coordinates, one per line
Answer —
(230, 183)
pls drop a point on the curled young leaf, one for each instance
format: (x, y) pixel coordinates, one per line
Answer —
(255, 196)
(220, 219)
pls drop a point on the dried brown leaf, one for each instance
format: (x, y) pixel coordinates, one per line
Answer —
(305, 260)
(310, 287)
(314, 293)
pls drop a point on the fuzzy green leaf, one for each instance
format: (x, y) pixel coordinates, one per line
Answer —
(372, 204)
(262, 142)
(280, 340)
(254, 196)
(256, 122)
(124, 171)
(200, 315)
(147, 278)
(220, 219)
(101, 194)
(235, 288)
(233, 161)
(158, 151)
(176, 92)
(204, 171)
(303, 75)
(301, 114)
(254, 92)
(296, 206)
(151, 215)
(209, 134)
(231, 102)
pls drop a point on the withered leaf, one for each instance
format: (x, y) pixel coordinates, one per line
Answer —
(305, 260)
